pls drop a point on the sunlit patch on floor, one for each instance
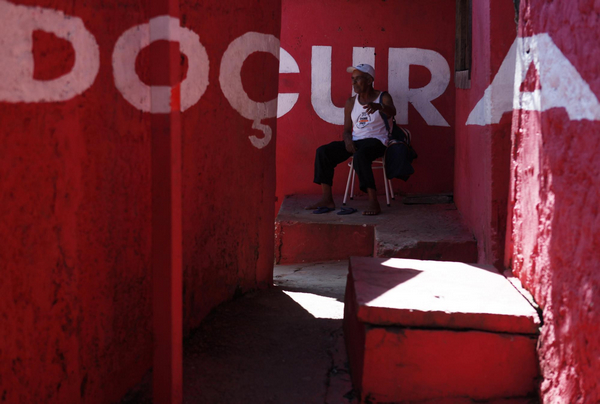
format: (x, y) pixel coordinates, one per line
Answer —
(318, 306)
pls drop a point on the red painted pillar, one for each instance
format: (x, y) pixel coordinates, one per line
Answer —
(166, 213)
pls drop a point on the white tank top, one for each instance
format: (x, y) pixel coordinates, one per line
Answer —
(368, 125)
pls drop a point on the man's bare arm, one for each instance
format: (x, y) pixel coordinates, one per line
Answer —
(347, 135)
(386, 106)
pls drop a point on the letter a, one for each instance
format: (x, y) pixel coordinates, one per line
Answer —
(561, 84)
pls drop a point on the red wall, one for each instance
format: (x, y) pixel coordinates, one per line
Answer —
(555, 177)
(481, 177)
(229, 184)
(75, 299)
(347, 25)
(76, 294)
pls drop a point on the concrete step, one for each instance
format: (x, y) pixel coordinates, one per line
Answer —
(434, 331)
(429, 231)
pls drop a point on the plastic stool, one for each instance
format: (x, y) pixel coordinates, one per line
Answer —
(380, 164)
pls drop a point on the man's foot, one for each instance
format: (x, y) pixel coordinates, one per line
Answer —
(373, 209)
(323, 203)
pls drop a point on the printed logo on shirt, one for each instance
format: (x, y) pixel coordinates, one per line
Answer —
(363, 120)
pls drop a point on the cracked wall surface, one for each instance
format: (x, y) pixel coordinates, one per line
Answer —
(228, 183)
(75, 299)
(555, 180)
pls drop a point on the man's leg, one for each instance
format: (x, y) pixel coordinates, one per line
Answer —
(368, 150)
(327, 158)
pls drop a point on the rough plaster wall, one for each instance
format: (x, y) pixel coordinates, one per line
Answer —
(229, 184)
(556, 182)
(75, 295)
(472, 183)
(482, 151)
(75, 300)
(503, 31)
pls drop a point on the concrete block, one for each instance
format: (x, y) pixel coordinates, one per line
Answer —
(439, 294)
(297, 242)
(409, 364)
(423, 330)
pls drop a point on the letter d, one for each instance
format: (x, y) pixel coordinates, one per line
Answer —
(16, 58)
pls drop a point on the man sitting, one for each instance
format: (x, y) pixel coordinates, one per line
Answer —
(365, 137)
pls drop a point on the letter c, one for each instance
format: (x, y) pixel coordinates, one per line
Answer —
(231, 82)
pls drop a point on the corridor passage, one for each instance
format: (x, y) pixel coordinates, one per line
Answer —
(283, 345)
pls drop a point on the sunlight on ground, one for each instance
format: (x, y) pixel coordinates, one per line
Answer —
(318, 306)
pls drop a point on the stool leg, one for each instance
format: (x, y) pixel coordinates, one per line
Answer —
(350, 173)
(385, 182)
(392, 190)
(353, 176)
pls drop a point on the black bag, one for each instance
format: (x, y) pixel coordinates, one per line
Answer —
(399, 153)
(398, 159)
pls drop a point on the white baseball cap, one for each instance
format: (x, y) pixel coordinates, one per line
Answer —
(363, 68)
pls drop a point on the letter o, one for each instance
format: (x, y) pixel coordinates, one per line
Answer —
(138, 94)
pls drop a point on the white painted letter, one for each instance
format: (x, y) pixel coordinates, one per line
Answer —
(561, 84)
(400, 60)
(231, 81)
(320, 86)
(16, 58)
(498, 97)
(157, 99)
(286, 101)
